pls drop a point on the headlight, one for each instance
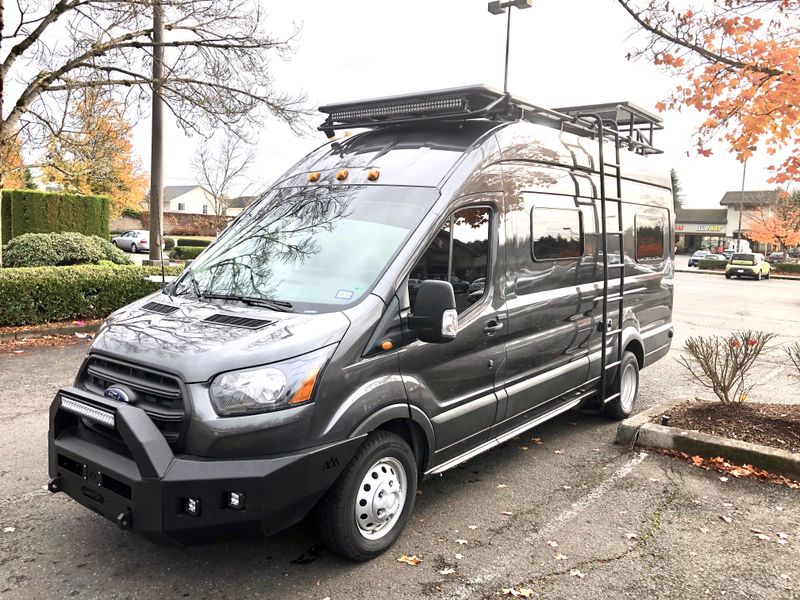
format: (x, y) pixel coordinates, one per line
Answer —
(272, 387)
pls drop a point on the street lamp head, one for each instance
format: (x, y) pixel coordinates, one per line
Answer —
(495, 8)
(523, 3)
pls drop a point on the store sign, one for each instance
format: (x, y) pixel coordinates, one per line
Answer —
(704, 228)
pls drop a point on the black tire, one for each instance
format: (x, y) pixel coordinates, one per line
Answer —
(767, 275)
(622, 407)
(727, 276)
(335, 514)
(134, 248)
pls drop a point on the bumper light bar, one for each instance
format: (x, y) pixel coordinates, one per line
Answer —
(104, 417)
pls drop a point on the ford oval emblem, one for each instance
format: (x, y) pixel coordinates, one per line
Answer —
(117, 394)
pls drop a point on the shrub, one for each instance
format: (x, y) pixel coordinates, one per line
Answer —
(32, 211)
(57, 249)
(42, 294)
(185, 252)
(169, 243)
(794, 355)
(130, 213)
(714, 265)
(196, 242)
(722, 364)
(792, 268)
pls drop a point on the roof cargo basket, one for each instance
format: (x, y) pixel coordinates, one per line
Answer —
(625, 123)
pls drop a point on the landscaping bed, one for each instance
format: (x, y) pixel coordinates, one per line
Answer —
(774, 425)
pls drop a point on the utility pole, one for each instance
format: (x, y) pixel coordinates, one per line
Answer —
(741, 203)
(498, 8)
(157, 140)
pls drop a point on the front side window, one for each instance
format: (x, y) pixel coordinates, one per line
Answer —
(650, 237)
(557, 233)
(318, 248)
(459, 254)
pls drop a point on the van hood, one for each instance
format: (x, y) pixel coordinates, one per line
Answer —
(186, 344)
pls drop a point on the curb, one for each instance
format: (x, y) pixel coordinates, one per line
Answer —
(640, 431)
(38, 332)
(709, 272)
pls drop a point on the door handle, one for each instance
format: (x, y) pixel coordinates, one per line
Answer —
(492, 327)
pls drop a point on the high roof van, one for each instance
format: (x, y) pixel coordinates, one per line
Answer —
(465, 267)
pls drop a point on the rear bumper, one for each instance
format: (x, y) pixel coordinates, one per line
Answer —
(141, 485)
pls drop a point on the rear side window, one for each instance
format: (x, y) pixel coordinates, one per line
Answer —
(649, 236)
(556, 233)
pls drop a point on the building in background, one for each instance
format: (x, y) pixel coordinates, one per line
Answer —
(712, 229)
(189, 199)
(237, 205)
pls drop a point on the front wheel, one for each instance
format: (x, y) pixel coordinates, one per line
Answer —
(368, 507)
(727, 275)
(766, 276)
(626, 383)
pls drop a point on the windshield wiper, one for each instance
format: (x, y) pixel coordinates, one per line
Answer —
(277, 305)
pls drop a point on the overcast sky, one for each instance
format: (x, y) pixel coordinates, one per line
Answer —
(563, 52)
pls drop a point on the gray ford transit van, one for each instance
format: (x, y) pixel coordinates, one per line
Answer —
(465, 268)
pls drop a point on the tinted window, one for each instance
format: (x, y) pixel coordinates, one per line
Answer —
(459, 254)
(556, 233)
(649, 237)
(743, 259)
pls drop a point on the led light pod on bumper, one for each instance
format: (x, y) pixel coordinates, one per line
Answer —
(271, 387)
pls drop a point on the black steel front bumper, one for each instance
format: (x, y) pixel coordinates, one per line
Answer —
(133, 478)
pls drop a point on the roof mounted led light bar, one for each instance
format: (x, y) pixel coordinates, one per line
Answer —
(624, 123)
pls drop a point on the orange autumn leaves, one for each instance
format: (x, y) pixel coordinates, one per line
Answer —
(740, 66)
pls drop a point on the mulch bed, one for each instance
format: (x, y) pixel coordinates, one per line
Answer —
(775, 425)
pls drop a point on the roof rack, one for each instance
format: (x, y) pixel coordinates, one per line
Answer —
(624, 123)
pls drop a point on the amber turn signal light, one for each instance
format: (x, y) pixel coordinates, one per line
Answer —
(341, 174)
(314, 177)
(373, 174)
(387, 345)
(303, 393)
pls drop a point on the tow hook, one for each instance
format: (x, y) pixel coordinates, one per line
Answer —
(54, 485)
(124, 520)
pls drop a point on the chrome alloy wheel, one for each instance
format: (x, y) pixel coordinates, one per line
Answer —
(627, 388)
(381, 498)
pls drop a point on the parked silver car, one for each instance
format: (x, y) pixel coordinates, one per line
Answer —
(133, 241)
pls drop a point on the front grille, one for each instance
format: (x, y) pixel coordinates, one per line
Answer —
(160, 395)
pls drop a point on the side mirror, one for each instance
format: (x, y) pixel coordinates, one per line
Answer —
(435, 318)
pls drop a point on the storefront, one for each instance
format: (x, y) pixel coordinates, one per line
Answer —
(700, 229)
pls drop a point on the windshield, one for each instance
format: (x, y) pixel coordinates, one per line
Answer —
(314, 248)
(701, 253)
(743, 259)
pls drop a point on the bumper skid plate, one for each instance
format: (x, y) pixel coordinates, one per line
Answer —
(132, 477)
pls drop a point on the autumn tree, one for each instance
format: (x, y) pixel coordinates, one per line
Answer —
(737, 61)
(220, 166)
(216, 64)
(93, 154)
(779, 224)
(12, 167)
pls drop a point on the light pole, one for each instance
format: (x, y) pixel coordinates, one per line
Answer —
(741, 203)
(498, 8)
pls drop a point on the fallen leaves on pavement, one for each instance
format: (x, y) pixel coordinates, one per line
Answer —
(412, 560)
(447, 571)
(726, 518)
(560, 556)
(514, 593)
(537, 441)
(552, 544)
(739, 471)
(631, 536)
(577, 573)
(462, 542)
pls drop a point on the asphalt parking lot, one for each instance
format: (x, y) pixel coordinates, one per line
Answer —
(572, 517)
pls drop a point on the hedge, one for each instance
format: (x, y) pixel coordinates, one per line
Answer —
(185, 252)
(792, 268)
(712, 264)
(33, 295)
(56, 249)
(32, 211)
(201, 243)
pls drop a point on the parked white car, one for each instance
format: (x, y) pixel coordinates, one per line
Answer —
(133, 241)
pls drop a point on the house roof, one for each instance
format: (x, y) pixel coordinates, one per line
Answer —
(751, 198)
(173, 191)
(241, 202)
(701, 215)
